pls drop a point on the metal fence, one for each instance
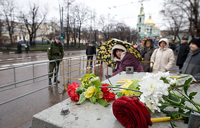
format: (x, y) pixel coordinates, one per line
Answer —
(14, 78)
(76, 68)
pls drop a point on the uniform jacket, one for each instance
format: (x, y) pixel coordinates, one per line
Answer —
(127, 60)
(55, 51)
(163, 58)
(192, 64)
(183, 52)
(146, 53)
(91, 49)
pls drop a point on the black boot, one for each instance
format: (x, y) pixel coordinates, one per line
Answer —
(50, 81)
(56, 80)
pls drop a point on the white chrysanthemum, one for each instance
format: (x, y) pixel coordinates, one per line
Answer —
(173, 81)
(162, 74)
(153, 89)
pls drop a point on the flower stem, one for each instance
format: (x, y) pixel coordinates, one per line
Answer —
(182, 106)
(185, 99)
(124, 88)
(191, 101)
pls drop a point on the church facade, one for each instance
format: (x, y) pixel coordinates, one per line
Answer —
(147, 28)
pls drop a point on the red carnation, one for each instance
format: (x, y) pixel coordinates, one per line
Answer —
(107, 95)
(72, 91)
(131, 112)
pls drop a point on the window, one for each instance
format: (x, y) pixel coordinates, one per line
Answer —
(140, 19)
(139, 29)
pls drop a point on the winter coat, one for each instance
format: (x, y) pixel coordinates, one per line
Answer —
(192, 64)
(162, 58)
(91, 48)
(126, 60)
(146, 53)
(55, 51)
(182, 54)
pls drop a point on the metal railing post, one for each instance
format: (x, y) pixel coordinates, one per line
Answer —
(68, 72)
(14, 76)
(79, 65)
(63, 73)
(33, 74)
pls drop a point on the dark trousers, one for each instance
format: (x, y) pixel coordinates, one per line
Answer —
(180, 66)
(90, 57)
(53, 66)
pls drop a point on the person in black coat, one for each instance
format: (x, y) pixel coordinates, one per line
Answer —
(91, 49)
(183, 52)
(19, 47)
(27, 47)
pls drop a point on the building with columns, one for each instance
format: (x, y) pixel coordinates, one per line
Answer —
(147, 28)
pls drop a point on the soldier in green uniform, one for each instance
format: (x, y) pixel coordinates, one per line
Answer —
(55, 51)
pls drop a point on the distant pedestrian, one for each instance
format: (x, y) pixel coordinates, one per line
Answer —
(184, 49)
(55, 52)
(192, 62)
(146, 53)
(19, 47)
(163, 57)
(91, 49)
(27, 47)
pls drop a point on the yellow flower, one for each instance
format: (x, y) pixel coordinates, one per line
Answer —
(108, 55)
(89, 92)
(103, 47)
(99, 95)
(128, 92)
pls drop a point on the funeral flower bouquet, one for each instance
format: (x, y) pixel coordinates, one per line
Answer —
(92, 89)
(153, 92)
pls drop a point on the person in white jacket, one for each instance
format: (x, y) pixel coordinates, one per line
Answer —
(163, 57)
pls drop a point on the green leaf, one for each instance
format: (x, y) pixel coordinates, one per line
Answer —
(183, 76)
(134, 84)
(185, 114)
(82, 98)
(183, 100)
(93, 99)
(192, 94)
(102, 102)
(88, 76)
(174, 98)
(187, 85)
(119, 94)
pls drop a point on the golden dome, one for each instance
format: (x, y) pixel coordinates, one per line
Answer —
(150, 21)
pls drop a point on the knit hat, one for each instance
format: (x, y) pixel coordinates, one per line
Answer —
(196, 41)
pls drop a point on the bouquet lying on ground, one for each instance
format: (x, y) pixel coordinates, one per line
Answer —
(92, 89)
(155, 92)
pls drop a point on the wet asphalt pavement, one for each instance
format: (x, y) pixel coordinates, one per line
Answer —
(18, 113)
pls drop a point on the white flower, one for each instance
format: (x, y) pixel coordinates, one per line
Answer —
(163, 74)
(153, 89)
(173, 81)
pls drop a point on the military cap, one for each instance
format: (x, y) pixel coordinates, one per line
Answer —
(184, 38)
(58, 38)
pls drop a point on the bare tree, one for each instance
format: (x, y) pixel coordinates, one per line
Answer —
(8, 12)
(81, 15)
(176, 21)
(33, 20)
(190, 9)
